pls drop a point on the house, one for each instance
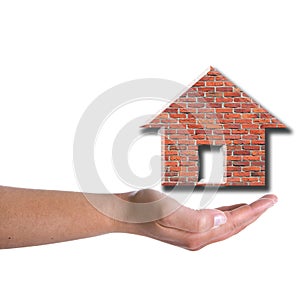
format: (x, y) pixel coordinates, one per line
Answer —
(214, 113)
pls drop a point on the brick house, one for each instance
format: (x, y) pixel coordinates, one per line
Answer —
(214, 113)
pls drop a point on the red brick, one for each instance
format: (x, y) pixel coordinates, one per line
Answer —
(163, 116)
(265, 116)
(249, 136)
(241, 174)
(187, 163)
(233, 168)
(207, 78)
(216, 137)
(262, 152)
(193, 157)
(252, 157)
(251, 179)
(174, 157)
(177, 105)
(185, 131)
(232, 126)
(221, 131)
(258, 142)
(187, 174)
(199, 83)
(239, 131)
(213, 73)
(196, 93)
(248, 105)
(170, 131)
(188, 152)
(258, 109)
(223, 99)
(178, 136)
(244, 121)
(242, 142)
(252, 168)
(191, 99)
(241, 152)
(239, 99)
(187, 121)
(241, 163)
(235, 157)
(215, 105)
(177, 116)
(171, 110)
(207, 110)
(225, 121)
(233, 179)
(170, 174)
(171, 152)
(190, 125)
(251, 147)
(203, 142)
(208, 99)
(192, 147)
(233, 105)
(175, 168)
(195, 105)
(242, 110)
(214, 126)
(251, 126)
(167, 121)
(169, 142)
(199, 137)
(224, 110)
(232, 116)
(224, 89)
(233, 137)
(214, 83)
(176, 126)
(214, 94)
(171, 163)
(221, 78)
(232, 94)
(257, 174)
(249, 116)
(193, 169)
(206, 89)
(258, 163)
(257, 131)
(187, 142)
(187, 110)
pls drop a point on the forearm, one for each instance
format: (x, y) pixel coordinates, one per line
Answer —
(34, 217)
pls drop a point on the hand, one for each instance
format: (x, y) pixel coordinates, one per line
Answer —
(195, 229)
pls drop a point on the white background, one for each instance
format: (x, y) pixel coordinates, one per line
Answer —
(58, 56)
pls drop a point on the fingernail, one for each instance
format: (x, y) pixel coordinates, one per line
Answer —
(219, 219)
(273, 199)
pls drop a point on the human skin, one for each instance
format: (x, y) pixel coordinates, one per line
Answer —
(34, 217)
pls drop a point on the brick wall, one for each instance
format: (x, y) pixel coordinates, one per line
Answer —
(214, 111)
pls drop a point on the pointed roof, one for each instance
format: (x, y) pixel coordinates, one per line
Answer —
(211, 97)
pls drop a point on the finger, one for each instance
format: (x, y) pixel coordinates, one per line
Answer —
(237, 220)
(230, 207)
(246, 213)
(190, 220)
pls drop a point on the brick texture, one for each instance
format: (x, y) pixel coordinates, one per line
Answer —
(214, 111)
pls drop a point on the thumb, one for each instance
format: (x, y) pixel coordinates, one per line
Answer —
(191, 220)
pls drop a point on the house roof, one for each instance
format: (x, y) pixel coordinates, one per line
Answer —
(215, 99)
